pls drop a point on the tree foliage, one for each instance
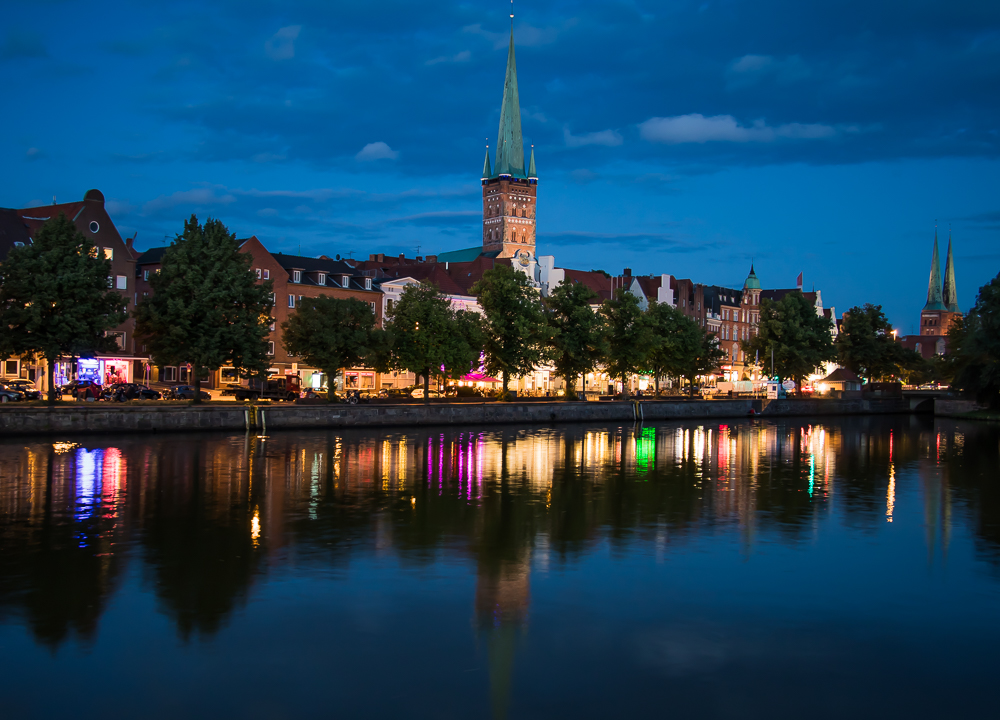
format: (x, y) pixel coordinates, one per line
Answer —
(515, 330)
(55, 298)
(678, 341)
(974, 347)
(332, 333)
(207, 307)
(799, 337)
(427, 334)
(867, 347)
(630, 336)
(578, 334)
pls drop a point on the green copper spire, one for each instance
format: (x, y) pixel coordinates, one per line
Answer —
(950, 298)
(532, 173)
(752, 282)
(934, 301)
(486, 165)
(510, 146)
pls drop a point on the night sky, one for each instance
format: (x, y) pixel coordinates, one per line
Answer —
(678, 137)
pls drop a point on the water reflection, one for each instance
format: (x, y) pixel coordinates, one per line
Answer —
(205, 518)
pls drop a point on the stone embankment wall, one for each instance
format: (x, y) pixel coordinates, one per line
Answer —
(110, 417)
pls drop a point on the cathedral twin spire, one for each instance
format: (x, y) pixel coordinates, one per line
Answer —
(942, 296)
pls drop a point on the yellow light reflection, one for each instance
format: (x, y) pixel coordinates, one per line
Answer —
(255, 527)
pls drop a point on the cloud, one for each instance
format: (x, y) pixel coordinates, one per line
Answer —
(696, 128)
(266, 157)
(376, 151)
(524, 35)
(34, 153)
(457, 58)
(446, 218)
(611, 138)
(22, 44)
(199, 197)
(751, 69)
(281, 45)
(646, 241)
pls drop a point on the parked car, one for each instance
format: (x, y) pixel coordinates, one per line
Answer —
(185, 392)
(70, 387)
(120, 392)
(87, 390)
(419, 394)
(10, 395)
(25, 387)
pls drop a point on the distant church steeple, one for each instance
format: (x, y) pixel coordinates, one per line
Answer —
(949, 290)
(934, 301)
(509, 193)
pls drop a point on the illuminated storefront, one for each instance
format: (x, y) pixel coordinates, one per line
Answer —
(100, 370)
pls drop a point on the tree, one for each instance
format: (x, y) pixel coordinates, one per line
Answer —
(55, 298)
(578, 339)
(428, 336)
(207, 308)
(673, 331)
(515, 330)
(974, 347)
(630, 336)
(333, 333)
(701, 354)
(798, 336)
(866, 345)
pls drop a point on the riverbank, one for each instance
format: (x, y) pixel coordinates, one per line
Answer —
(114, 417)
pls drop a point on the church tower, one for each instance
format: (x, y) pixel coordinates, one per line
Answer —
(941, 308)
(508, 190)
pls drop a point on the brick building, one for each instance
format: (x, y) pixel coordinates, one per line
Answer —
(940, 310)
(294, 277)
(17, 227)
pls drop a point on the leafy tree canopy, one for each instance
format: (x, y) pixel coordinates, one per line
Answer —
(678, 342)
(427, 334)
(333, 333)
(799, 337)
(515, 330)
(55, 297)
(630, 336)
(207, 307)
(974, 347)
(578, 337)
(866, 345)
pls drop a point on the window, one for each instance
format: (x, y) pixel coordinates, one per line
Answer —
(346, 281)
(267, 274)
(259, 274)
(121, 282)
(145, 275)
(291, 301)
(368, 283)
(10, 367)
(270, 348)
(296, 276)
(321, 278)
(94, 226)
(373, 307)
(109, 253)
(111, 281)
(170, 374)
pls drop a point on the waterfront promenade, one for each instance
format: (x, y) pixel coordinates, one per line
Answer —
(112, 417)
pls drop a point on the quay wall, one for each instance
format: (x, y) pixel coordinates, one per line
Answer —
(110, 417)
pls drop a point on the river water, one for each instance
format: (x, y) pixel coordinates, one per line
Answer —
(744, 569)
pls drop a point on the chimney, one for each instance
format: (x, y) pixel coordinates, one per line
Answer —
(420, 259)
(627, 272)
(130, 240)
(432, 258)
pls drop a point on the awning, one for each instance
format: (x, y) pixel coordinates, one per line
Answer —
(477, 377)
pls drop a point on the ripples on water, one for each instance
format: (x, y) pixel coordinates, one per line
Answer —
(765, 569)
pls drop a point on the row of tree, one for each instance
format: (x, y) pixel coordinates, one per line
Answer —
(208, 309)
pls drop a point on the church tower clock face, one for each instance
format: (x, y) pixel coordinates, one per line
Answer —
(509, 191)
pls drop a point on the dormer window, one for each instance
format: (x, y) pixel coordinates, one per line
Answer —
(345, 281)
(368, 283)
(296, 276)
(321, 278)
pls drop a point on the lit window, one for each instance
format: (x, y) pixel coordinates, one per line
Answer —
(267, 274)
(109, 253)
(121, 282)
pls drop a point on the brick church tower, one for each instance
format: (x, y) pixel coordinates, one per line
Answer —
(508, 191)
(941, 308)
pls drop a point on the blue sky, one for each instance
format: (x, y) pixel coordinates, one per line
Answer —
(680, 137)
